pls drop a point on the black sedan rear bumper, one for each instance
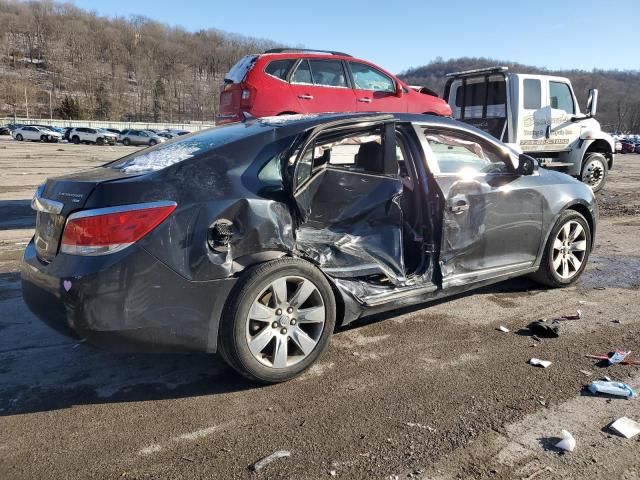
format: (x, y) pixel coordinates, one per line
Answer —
(128, 301)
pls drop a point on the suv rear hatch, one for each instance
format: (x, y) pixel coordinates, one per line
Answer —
(236, 96)
(57, 199)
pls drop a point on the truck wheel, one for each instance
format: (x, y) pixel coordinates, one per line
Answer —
(594, 171)
(277, 321)
(567, 251)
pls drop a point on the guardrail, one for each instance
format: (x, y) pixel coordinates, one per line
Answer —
(192, 127)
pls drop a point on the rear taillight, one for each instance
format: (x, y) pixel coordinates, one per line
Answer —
(247, 96)
(108, 230)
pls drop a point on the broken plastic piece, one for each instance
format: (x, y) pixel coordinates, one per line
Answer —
(618, 356)
(260, 464)
(576, 316)
(503, 329)
(540, 363)
(626, 427)
(544, 329)
(612, 388)
(568, 443)
(609, 356)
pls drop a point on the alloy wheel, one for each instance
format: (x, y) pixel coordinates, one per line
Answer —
(285, 322)
(569, 249)
(593, 173)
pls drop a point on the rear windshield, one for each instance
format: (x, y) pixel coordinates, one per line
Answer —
(240, 69)
(476, 93)
(175, 151)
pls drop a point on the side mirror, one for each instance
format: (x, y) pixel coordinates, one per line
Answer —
(592, 102)
(399, 90)
(526, 165)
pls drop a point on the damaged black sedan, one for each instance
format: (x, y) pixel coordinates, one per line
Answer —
(257, 239)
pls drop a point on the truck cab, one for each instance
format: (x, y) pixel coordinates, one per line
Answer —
(538, 115)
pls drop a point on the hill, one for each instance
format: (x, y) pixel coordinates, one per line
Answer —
(619, 91)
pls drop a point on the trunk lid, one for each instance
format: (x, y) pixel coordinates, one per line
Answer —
(58, 198)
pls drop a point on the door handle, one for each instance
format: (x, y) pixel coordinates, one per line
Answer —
(364, 100)
(306, 96)
(460, 207)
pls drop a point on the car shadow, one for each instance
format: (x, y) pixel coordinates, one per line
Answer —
(16, 215)
(40, 370)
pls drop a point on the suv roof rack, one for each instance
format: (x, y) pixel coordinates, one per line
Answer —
(308, 50)
(476, 71)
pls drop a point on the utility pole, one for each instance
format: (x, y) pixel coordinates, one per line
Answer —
(50, 109)
(26, 102)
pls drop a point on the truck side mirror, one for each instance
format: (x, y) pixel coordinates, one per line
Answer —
(526, 165)
(592, 102)
(399, 90)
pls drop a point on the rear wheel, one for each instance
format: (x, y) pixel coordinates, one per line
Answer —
(126, 142)
(594, 171)
(75, 139)
(567, 251)
(278, 321)
(100, 141)
(43, 138)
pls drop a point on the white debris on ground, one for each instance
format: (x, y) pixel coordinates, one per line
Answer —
(260, 464)
(568, 443)
(626, 427)
(540, 363)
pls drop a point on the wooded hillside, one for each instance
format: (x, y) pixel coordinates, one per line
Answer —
(115, 69)
(619, 91)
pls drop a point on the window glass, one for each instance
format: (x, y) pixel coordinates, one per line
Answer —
(279, 68)
(463, 155)
(561, 97)
(302, 73)
(368, 78)
(532, 95)
(476, 92)
(328, 73)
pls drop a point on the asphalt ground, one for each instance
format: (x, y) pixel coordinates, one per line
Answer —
(430, 392)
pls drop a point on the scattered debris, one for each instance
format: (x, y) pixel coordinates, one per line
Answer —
(542, 328)
(586, 372)
(419, 425)
(503, 329)
(260, 464)
(576, 316)
(535, 474)
(626, 427)
(599, 288)
(540, 363)
(616, 357)
(536, 338)
(333, 473)
(612, 388)
(616, 321)
(568, 443)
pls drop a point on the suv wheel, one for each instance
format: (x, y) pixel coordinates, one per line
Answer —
(594, 171)
(100, 141)
(126, 142)
(567, 251)
(19, 137)
(277, 321)
(75, 139)
(152, 143)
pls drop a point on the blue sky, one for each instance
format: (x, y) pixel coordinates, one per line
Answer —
(401, 34)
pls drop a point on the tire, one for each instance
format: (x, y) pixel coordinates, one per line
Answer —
(552, 275)
(594, 171)
(75, 139)
(280, 327)
(19, 137)
(152, 143)
(100, 141)
(126, 142)
(43, 138)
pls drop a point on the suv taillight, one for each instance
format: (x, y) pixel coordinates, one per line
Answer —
(247, 96)
(108, 230)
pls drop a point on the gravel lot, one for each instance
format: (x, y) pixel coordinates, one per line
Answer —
(430, 392)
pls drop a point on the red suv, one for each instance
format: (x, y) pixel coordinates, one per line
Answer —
(283, 81)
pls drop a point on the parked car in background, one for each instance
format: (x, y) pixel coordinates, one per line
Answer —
(113, 130)
(628, 146)
(166, 134)
(92, 135)
(33, 133)
(637, 149)
(289, 81)
(618, 146)
(257, 239)
(140, 137)
(5, 130)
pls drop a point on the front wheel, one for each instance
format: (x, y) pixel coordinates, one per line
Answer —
(19, 137)
(100, 141)
(75, 140)
(567, 251)
(278, 320)
(594, 171)
(152, 143)
(126, 142)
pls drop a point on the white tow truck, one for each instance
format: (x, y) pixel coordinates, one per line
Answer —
(538, 115)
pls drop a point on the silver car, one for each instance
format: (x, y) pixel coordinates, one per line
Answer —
(140, 137)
